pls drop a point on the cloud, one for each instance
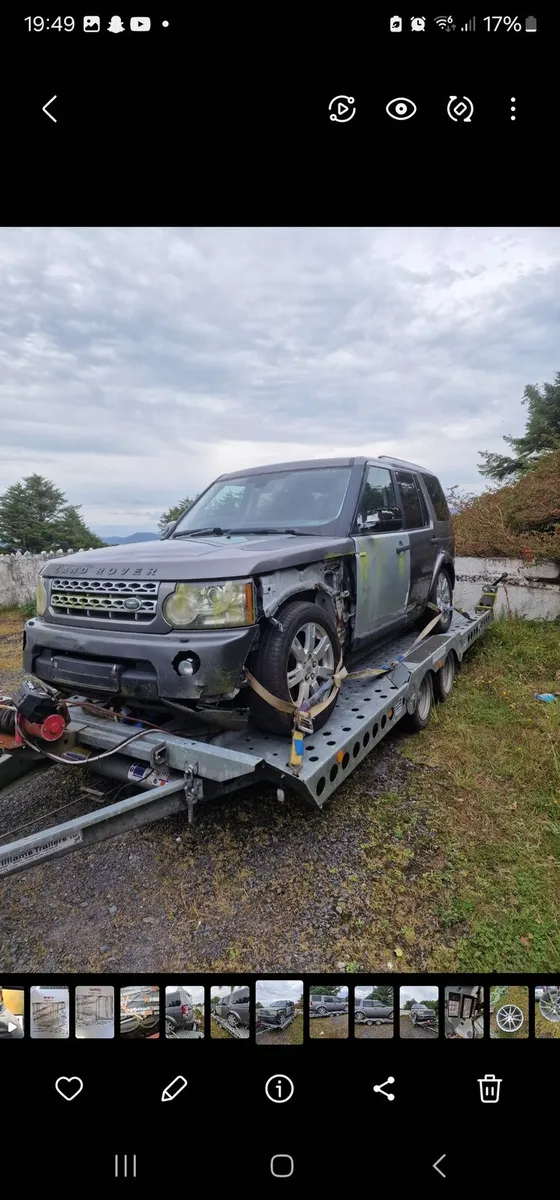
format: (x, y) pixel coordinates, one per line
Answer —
(137, 364)
(268, 990)
(417, 993)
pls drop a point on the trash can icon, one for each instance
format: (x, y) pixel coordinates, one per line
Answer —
(489, 1089)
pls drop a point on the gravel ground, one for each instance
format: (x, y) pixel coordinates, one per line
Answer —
(323, 1028)
(408, 1030)
(373, 1031)
(252, 886)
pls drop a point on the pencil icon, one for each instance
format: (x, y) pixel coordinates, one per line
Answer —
(172, 1090)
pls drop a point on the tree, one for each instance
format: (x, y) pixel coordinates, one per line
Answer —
(383, 993)
(542, 434)
(35, 516)
(321, 990)
(175, 512)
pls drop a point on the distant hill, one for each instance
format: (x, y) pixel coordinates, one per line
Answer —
(132, 537)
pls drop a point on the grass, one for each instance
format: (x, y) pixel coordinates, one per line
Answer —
(491, 787)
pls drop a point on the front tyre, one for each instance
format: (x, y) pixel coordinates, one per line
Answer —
(293, 663)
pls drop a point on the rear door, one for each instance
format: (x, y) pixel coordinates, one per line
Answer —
(419, 527)
(382, 559)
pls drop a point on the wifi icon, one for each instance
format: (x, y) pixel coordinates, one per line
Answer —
(445, 23)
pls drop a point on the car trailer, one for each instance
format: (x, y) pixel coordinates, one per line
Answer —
(270, 1026)
(238, 1031)
(174, 772)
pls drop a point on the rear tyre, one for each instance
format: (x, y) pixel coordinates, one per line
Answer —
(441, 595)
(293, 663)
(444, 679)
(417, 720)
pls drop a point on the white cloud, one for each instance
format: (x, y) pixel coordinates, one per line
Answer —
(423, 992)
(137, 364)
(268, 990)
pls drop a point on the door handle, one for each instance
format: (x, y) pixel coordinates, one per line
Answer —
(402, 549)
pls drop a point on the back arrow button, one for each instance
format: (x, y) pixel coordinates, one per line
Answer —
(46, 106)
(436, 1166)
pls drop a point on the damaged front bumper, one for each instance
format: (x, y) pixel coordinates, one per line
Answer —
(138, 666)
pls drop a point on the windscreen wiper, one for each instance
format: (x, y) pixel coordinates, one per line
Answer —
(265, 531)
(216, 532)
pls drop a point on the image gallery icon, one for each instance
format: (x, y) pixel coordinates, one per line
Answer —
(92, 24)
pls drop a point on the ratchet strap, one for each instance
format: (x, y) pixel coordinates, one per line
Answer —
(303, 717)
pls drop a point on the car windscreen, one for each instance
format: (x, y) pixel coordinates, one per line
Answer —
(298, 499)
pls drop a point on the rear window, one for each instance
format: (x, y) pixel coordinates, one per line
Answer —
(437, 496)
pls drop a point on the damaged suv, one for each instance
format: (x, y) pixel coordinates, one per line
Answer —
(277, 574)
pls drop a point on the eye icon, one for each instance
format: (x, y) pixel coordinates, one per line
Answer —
(401, 109)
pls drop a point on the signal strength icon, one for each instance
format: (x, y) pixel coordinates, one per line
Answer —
(469, 26)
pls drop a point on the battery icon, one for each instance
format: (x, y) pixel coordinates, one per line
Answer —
(531, 25)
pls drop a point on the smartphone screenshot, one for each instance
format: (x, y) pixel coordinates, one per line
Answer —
(279, 600)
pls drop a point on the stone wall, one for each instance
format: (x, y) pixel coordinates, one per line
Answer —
(531, 591)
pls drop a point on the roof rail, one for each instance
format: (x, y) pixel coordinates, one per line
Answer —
(402, 462)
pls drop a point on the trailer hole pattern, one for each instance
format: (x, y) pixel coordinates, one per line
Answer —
(321, 786)
(333, 773)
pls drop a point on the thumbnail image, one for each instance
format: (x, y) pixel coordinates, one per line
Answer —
(184, 1011)
(279, 1012)
(419, 1011)
(140, 1012)
(547, 1010)
(12, 1001)
(95, 1011)
(374, 1011)
(509, 1012)
(464, 1011)
(328, 1012)
(50, 1012)
(230, 1011)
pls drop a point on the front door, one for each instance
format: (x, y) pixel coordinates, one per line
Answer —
(382, 561)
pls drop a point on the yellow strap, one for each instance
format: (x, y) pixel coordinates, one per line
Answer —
(288, 706)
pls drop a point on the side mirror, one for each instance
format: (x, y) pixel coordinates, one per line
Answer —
(383, 519)
(168, 528)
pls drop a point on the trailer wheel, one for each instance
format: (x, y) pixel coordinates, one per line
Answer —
(293, 661)
(444, 679)
(417, 720)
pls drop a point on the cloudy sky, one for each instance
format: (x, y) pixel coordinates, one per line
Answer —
(360, 993)
(194, 990)
(417, 993)
(137, 364)
(268, 990)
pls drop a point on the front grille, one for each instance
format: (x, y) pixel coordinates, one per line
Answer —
(105, 599)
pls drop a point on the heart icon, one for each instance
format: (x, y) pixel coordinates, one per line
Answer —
(69, 1088)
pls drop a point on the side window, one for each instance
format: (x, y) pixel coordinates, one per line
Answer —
(414, 513)
(437, 496)
(378, 492)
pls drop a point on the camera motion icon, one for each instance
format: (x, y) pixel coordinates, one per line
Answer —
(342, 109)
(460, 108)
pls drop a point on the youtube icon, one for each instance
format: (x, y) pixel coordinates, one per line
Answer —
(140, 24)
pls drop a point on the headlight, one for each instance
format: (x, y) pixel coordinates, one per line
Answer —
(41, 597)
(210, 605)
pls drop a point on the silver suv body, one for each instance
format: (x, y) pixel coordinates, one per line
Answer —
(327, 1004)
(281, 571)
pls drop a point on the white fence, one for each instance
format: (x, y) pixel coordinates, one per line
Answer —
(531, 591)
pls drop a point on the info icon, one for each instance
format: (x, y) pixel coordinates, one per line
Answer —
(92, 24)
